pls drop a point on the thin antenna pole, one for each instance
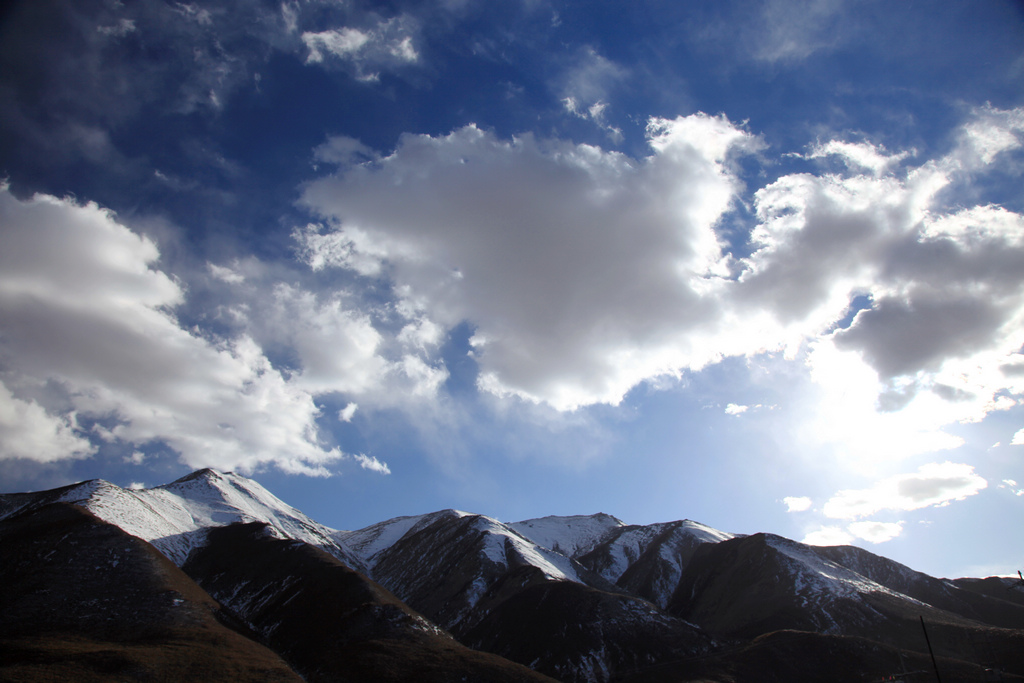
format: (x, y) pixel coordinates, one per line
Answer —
(937, 678)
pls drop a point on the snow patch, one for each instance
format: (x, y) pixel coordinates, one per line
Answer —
(175, 517)
(571, 536)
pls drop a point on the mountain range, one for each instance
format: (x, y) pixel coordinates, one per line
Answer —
(212, 577)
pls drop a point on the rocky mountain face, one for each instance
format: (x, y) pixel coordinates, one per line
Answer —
(106, 583)
(83, 600)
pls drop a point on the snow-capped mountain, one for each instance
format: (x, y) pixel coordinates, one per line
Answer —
(481, 579)
(744, 587)
(572, 536)
(450, 596)
(329, 621)
(84, 601)
(175, 517)
(443, 563)
(644, 560)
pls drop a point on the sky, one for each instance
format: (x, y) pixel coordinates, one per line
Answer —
(757, 264)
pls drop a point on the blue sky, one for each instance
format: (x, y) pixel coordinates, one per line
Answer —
(756, 264)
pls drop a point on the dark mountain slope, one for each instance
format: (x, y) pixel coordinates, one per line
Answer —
(498, 591)
(576, 633)
(998, 587)
(944, 595)
(84, 601)
(662, 552)
(330, 622)
(746, 587)
(448, 560)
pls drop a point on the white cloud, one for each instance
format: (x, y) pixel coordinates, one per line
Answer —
(343, 42)
(990, 133)
(585, 272)
(1018, 438)
(348, 412)
(876, 532)
(371, 463)
(934, 484)
(197, 14)
(588, 81)
(733, 409)
(582, 269)
(422, 379)
(387, 45)
(946, 310)
(225, 274)
(788, 31)
(337, 347)
(1012, 487)
(327, 340)
(797, 503)
(978, 224)
(859, 155)
(586, 86)
(84, 310)
(343, 151)
(118, 30)
(28, 431)
(828, 535)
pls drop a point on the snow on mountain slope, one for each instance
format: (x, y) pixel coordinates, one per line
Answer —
(499, 543)
(645, 560)
(503, 544)
(649, 561)
(625, 546)
(174, 517)
(369, 541)
(607, 545)
(445, 562)
(819, 577)
(572, 536)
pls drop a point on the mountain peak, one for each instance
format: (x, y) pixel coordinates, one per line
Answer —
(207, 473)
(570, 535)
(175, 517)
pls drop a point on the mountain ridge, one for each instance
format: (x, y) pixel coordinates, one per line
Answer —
(580, 598)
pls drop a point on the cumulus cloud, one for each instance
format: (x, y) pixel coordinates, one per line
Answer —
(990, 133)
(859, 155)
(348, 412)
(585, 272)
(872, 532)
(28, 431)
(1018, 438)
(582, 270)
(934, 484)
(936, 342)
(828, 535)
(876, 532)
(337, 347)
(85, 310)
(797, 503)
(343, 151)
